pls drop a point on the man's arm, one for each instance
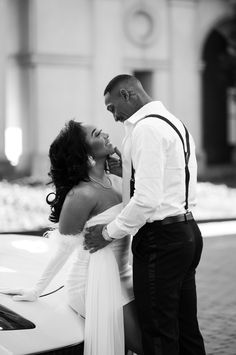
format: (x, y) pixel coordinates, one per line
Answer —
(148, 158)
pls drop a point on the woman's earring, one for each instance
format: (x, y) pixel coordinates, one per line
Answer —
(91, 161)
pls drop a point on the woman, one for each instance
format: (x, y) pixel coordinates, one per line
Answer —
(99, 285)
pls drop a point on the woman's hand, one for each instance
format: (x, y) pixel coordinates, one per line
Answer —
(115, 164)
(20, 294)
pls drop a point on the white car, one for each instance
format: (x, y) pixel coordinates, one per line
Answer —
(47, 326)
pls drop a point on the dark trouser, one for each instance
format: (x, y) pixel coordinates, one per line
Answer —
(164, 263)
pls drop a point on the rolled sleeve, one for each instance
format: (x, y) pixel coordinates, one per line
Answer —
(115, 231)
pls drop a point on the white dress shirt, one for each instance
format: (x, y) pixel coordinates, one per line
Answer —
(156, 152)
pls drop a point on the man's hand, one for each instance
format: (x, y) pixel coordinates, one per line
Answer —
(93, 239)
(115, 164)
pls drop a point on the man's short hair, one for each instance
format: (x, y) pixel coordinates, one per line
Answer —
(122, 78)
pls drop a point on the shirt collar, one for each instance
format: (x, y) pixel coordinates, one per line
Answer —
(147, 109)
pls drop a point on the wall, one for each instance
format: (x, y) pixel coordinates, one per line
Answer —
(61, 54)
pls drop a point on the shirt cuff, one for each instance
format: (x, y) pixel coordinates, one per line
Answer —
(115, 231)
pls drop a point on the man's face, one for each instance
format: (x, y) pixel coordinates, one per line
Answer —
(118, 106)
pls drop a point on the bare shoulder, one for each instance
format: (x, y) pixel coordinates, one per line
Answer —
(81, 194)
(77, 208)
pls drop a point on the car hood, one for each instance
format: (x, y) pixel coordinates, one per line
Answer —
(22, 260)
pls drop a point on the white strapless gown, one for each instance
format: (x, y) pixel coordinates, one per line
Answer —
(98, 286)
(78, 275)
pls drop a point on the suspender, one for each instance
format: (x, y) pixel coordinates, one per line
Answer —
(186, 157)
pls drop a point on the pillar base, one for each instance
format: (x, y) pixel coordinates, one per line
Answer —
(233, 156)
(6, 169)
(24, 166)
(40, 166)
(201, 162)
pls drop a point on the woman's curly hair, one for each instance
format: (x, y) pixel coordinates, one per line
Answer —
(68, 155)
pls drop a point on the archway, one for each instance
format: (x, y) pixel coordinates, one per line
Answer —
(219, 82)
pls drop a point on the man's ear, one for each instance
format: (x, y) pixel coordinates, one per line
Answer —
(125, 94)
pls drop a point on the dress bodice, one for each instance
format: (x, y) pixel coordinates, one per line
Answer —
(120, 247)
(105, 216)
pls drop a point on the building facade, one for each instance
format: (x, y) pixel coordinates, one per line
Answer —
(56, 57)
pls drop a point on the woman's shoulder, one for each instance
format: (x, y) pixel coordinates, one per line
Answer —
(84, 192)
(76, 209)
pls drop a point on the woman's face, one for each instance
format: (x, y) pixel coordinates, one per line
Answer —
(98, 142)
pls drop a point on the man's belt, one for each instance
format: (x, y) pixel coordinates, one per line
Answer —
(175, 219)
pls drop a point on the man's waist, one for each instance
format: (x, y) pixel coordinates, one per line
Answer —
(183, 217)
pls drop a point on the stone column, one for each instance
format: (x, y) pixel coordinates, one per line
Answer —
(161, 83)
(25, 88)
(185, 78)
(5, 166)
(107, 60)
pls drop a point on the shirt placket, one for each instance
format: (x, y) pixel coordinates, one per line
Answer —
(126, 165)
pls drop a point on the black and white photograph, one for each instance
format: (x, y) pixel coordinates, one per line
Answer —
(117, 177)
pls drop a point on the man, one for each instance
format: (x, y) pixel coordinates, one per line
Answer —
(160, 175)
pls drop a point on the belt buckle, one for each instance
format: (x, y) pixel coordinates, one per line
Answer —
(186, 215)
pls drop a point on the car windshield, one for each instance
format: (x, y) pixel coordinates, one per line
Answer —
(9, 320)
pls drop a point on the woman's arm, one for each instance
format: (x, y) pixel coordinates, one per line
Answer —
(65, 244)
(75, 212)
